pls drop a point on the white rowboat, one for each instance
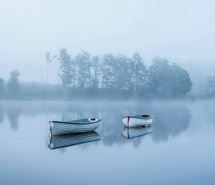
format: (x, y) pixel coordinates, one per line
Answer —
(75, 126)
(137, 120)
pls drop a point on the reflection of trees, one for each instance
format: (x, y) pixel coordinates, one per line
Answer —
(13, 117)
(111, 128)
(111, 124)
(209, 109)
(170, 120)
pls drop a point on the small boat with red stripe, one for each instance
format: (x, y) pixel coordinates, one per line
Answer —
(137, 120)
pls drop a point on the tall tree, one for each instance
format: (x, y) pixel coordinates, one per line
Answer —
(108, 71)
(67, 70)
(138, 73)
(120, 68)
(13, 85)
(160, 75)
(96, 72)
(181, 82)
(48, 60)
(83, 61)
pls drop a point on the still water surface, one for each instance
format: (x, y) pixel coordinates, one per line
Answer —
(180, 149)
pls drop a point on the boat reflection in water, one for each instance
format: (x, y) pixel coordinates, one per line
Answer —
(60, 141)
(134, 132)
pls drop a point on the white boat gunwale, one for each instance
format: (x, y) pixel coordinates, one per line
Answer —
(74, 126)
(75, 122)
(143, 116)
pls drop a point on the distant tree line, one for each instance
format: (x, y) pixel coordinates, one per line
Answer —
(122, 74)
(109, 76)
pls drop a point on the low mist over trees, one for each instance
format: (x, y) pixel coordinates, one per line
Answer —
(122, 74)
(168, 80)
(109, 76)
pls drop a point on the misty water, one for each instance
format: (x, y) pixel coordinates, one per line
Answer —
(180, 150)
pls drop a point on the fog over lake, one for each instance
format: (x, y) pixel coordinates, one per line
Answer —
(178, 151)
(68, 60)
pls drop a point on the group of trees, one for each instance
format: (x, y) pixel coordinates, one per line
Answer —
(108, 76)
(120, 73)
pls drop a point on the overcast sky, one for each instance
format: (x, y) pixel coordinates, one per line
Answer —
(182, 31)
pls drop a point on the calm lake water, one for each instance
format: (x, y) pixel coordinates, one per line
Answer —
(180, 150)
